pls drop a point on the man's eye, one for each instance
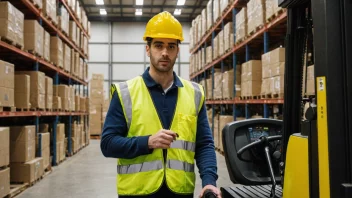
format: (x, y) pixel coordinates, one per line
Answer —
(172, 47)
(158, 46)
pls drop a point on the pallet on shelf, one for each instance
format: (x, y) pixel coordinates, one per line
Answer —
(11, 42)
(36, 4)
(16, 189)
(8, 109)
(274, 15)
(95, 137)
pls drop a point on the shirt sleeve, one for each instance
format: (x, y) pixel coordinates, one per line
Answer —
(114, 142)
(205, 150)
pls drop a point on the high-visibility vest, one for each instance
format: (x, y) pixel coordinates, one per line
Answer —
(145, 174)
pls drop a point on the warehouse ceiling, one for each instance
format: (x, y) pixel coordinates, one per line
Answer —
(126, 10)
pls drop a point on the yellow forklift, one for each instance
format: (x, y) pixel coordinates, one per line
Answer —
(296, 157)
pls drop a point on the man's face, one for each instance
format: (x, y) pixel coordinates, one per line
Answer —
(163, 54)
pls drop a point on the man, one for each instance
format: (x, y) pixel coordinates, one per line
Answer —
(157, 124)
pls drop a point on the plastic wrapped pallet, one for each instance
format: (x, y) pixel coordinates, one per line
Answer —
(78, 36)
(37, 88)
(228, 86)
(46, 45)
(57, 103)
(218, 85)
(72, 31)
(49, 9)
(209, 88)
(310, 80)
(72, 4)
(12, 21)
(48, 92)
(204, 21)
(216, 9)
(223, 120)
(216, 130)
(191, 44)
(64, 19)
(78, 11)
(33, 37)
(221, 43)
(223, 5)
(84, 19)
(271, 8)
(228, 32)
(67, 58)
(209, 54)
(241, 24)
(56, 51)
(81, 64)
(216, 47)
(255, 14)
(199, 36)
(210, 117)
(209, 14)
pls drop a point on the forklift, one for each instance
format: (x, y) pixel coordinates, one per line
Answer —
(296, 157)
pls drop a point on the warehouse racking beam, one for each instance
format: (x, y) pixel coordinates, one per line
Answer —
(73, 17)
(250, 101)
(39, 113)
(7, 48)
(51, 27)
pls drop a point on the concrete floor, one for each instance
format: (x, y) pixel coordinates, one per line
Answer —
(89, 174)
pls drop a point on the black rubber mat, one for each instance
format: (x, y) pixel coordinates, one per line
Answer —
(250, 191)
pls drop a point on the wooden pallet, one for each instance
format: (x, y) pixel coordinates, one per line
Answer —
(8, 109)
(11, 42)
(226, 9)
(277, 95)
(23, 109)
(275, 15)
(35, 4)
(16, 189)
(95, 137)
(48, 110)
(250, 97)
(57, 110)
(35, 53)
(256, 29)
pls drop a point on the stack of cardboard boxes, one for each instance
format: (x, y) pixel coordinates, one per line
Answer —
(271, 8)
(60, 142)
(105, 110)
(67, 58)
(56, 51)
(49, 10)
(251, 78)
(273, 64)
(96, 103)
(4, 161)
(37, 88)
(241, 25)
(34, 37)
(22, 91)
(48, 92)
(63, 92)
(7, 84)
(76, 136)
(223, 120)
(43, 143)
(218, 84)
(12, 23)
(228, 36)
(46, 46)
(64, 19)
(255, 14)
(228, 85)
(25, 167)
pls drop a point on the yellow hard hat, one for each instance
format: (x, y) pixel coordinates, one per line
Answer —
(163, 25)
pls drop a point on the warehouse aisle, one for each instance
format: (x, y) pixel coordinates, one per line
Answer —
(90, 175)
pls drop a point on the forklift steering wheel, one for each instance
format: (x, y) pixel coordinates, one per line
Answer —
(261, 140)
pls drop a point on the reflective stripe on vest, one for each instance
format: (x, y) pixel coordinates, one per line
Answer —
(178, 165)
(185, 145)
(197, 96)
(127, 103)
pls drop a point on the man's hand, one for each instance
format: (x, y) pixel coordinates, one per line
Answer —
(162, 139)
(212, 188)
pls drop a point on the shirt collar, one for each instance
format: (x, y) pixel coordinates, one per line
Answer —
(150, 82)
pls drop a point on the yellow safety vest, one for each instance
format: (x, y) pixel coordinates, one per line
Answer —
(145, 174)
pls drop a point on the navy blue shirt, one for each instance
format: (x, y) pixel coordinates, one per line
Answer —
(115, 144)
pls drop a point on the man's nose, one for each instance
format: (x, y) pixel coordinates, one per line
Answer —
(165, 53)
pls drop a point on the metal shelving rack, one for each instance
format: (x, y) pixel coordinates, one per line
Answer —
(240, 50)
(16, 55)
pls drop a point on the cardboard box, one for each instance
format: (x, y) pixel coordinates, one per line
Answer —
(34, 37)
(7, 97)
(27, 172)
(67, 58)
(77, 103)
(45, 148)
(254, 88)
(12, 23)
(7, 75)
(216, 130)
(60, 132)
(62, 90)
(223, 120)
(49, 9)
(57, 103)
(56, 51)
(278, 85)
(60, 151)
(48, 92)
(277, 69)
(4, 146)
(4, 182)
(64, 19)
(253, 70)
(72, 31)
(241, 24)
(22, 143)
(37, 88)
(46, 45)
(255, 14)
(265, 87)
(217, 85)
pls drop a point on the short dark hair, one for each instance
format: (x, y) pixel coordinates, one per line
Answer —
(150, 40)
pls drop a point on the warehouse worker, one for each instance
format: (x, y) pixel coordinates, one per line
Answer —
(157, 124)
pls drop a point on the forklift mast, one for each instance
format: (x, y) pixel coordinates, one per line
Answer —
(325, 28)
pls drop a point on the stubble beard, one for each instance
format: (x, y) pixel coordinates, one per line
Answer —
(162, 69)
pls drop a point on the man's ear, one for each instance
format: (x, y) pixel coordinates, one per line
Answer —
(147, 49)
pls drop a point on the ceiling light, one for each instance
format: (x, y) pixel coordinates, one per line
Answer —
(181, 2)
(177, 12)
(99, 2)
(139, 2)
(138, 12)
(103, 12)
